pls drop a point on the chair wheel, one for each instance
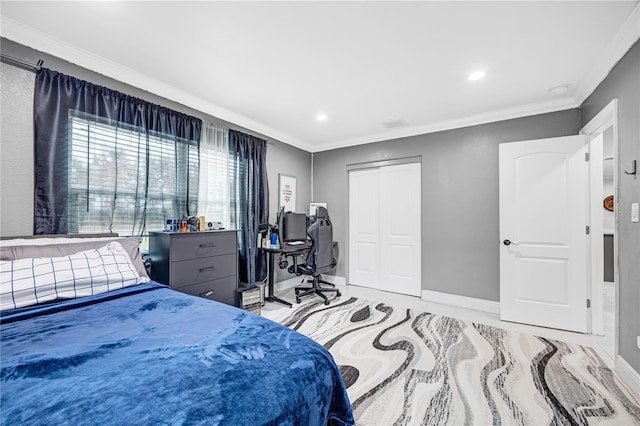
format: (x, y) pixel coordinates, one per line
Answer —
(298, 300)
(326, 302)
(338, 294)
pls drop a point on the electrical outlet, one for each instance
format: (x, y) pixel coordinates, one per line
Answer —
(638, 342)
(635, 212)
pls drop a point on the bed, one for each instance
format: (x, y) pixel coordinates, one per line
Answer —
(143, 353)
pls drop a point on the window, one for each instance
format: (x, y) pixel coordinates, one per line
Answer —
(216, 199)
(217, 176)
(127, 180)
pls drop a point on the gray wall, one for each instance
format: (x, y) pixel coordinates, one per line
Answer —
(16, 151)
(460, 250)
(281, 158)
(623, 83)
(16, 155)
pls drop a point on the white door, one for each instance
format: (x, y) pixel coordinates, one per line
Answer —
(384, 228)
(364, 228)
(400, 231)
(543, 218)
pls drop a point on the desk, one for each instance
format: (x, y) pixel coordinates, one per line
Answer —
(288, 250)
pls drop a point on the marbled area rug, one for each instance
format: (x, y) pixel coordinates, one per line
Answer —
(403, 367)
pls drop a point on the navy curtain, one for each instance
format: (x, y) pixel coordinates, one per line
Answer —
(250, 202)
(55, 95)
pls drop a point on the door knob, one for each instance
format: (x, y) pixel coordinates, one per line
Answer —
(508, 243)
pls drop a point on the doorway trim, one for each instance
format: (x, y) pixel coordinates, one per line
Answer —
(382, 163)
(606, 118)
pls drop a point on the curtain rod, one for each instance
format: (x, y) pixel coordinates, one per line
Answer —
(20, 63)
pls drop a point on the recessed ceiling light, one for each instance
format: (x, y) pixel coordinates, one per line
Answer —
(476, 75)
(559, 90)
(321, 117)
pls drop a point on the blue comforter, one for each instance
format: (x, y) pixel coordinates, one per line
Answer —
(150, 355)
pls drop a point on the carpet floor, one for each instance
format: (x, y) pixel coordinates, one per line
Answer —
(403, 367)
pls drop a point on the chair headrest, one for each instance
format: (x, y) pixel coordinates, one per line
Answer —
(321, 213)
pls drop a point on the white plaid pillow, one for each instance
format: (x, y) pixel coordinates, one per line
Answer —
(26, 282)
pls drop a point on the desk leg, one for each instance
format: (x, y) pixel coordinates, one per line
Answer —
(272, 297)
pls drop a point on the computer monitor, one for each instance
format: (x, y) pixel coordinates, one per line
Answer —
(313, 206)
(293, 227)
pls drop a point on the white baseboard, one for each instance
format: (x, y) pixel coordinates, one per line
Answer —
(335, 279)
(628, 375)
(461, 301)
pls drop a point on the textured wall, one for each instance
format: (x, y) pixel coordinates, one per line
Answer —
(281, 158)
(16, 151)
(623, 83)
(460, 251)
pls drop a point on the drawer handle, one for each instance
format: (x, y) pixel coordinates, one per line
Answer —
(208, 245)
(209, 268)
(207, 293)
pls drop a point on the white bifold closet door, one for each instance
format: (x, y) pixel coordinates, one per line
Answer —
(384, 228)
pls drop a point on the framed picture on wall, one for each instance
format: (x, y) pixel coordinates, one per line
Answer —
(287, 192)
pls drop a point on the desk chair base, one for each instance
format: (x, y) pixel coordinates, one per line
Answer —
(316, 289)
(321, 281)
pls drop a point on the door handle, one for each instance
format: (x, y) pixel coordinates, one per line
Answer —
(207, 293)
(508, 243)
(207, 269)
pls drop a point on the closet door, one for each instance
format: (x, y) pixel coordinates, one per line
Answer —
(364, 226)
(385, 228)
(400, 230)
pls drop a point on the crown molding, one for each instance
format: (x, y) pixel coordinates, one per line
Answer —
(602, 120)
(37, 40)
(624, 39)
(475, 120)
(628, 34)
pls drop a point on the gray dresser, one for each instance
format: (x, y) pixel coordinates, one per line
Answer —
(203, 264)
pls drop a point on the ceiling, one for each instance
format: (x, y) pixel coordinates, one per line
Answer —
(272, 67)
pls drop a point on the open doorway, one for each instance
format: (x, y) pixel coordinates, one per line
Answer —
(602, 136)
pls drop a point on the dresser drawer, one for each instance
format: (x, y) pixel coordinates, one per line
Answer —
(194, 271)
(223, 289)
(205, 244)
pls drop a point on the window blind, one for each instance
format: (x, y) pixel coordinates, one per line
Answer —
(127, 180)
